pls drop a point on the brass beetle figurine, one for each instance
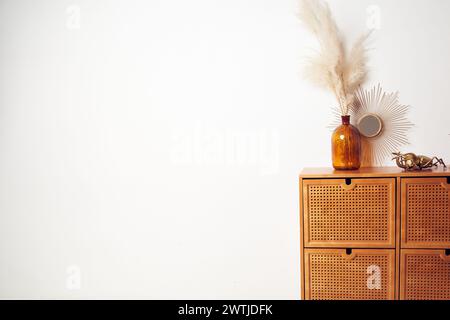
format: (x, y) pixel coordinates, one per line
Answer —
(410, 161)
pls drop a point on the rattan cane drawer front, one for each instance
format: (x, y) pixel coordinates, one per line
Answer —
(332, 274)
(426, 213)
(359, 213)
(425, 275)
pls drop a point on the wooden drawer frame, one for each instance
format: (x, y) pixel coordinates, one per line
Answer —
(404, 215)
(389, 253)
(389, 243)
(403, 265)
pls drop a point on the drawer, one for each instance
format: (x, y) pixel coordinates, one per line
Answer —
(424, 275)
(425, 210)
(341, 213)
(334, 274)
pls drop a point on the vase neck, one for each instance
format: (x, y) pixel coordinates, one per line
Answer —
(345, 119)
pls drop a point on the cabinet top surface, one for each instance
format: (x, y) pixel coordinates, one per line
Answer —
(316, 173)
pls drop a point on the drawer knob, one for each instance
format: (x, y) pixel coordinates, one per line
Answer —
(348, 185)
(349, 254)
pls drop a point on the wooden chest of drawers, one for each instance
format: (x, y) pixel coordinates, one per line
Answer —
(375, 234)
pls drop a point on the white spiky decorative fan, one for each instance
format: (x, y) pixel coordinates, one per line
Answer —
(383, 124)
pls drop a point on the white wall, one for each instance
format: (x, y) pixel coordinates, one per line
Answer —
(154, 146)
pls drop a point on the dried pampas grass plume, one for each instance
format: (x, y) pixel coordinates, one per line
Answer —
(332, 69)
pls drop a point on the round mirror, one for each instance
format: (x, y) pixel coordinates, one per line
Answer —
(370, 125)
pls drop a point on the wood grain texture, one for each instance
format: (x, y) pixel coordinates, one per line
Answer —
(302, 246)
(379, 172)
(397, 237)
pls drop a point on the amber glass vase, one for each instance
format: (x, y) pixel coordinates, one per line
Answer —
(346, 146)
